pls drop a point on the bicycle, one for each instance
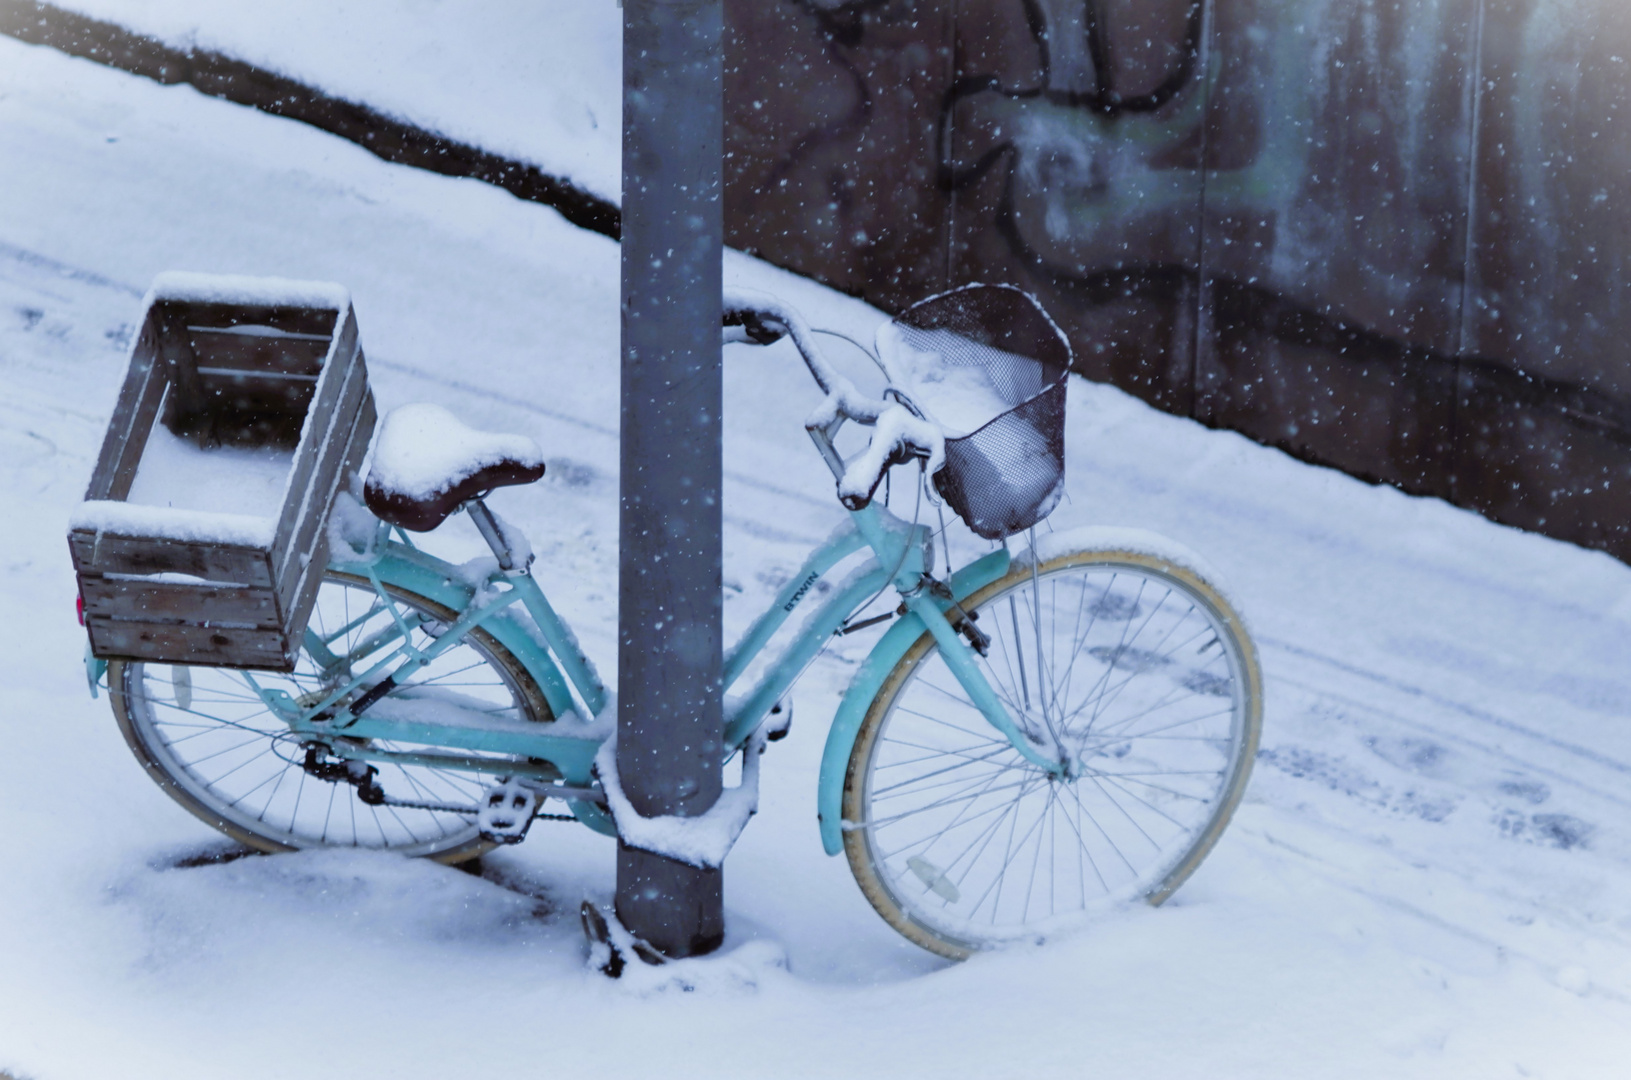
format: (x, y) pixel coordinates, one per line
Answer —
(1035, 736)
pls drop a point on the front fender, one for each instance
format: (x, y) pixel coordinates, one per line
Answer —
(846, 723)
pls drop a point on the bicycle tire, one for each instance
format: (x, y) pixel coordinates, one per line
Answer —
(215, 748)
(924, 736)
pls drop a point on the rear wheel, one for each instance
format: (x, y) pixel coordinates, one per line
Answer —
(1140, 670)
(209, 740)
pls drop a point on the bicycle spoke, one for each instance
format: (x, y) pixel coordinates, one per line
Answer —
(226, 750)
(1076, 797)
(1106, 700)
(271, 778)
(328, 814)
(1114, 734)
(1123, 810)
(240, 765)
(1106, 697)
(961, 818)
(967, 762)
(1082, 850)
(1030, 883)
(1162, 790)
(233, 759)
(282, 774)
(985, 724)
(930, 754)
(1139, 798)
(1002, 873)
(937, 804)
(984, 840)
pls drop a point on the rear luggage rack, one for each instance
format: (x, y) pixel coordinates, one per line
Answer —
(235, 387)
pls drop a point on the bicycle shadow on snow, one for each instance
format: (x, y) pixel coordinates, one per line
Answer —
(231, 908)
(226, 906)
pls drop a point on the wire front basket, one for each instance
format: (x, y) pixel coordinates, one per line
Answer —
(989, 365)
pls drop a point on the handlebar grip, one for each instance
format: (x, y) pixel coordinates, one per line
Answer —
(902, 454)
(754, 327)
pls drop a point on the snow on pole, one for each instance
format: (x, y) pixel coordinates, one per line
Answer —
(670, 720)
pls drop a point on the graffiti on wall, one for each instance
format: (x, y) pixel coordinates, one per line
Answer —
(1370, 233)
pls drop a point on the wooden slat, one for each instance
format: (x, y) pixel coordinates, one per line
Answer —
(260, 331)
(145, 601)
(132, 419)
(362, 433)
(325, 470)
(299, 580)
(109, 553)
(173, 643)
(291, 318)
(255, 355)
(340, 387)
(186, 408)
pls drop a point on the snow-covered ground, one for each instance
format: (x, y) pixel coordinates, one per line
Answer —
(1430, 875)
(535, 80)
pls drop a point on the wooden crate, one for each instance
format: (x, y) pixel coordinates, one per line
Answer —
(254, 366)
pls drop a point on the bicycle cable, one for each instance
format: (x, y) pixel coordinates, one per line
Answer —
(905, 548)
(870, 355)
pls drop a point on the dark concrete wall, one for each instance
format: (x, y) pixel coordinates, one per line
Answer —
(1384, 236)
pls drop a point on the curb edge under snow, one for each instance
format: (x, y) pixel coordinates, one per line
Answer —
(242, 83)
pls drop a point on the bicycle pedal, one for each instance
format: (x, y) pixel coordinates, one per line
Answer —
(506, 812)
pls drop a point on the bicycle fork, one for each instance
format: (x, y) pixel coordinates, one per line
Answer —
(958, 657)
(922, 595)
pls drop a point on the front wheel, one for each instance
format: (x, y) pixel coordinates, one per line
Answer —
(1144, 676)
(207, 737)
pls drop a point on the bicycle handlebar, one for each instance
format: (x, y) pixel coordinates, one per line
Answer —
(901, 432)
(762, 319)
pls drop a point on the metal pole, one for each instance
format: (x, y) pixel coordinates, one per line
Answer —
(669, 718)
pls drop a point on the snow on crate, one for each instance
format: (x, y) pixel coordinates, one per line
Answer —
(110, 517)
(266, 292)
(176, 472)
(202, 535)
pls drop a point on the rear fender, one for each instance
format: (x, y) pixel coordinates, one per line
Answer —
(416, 572)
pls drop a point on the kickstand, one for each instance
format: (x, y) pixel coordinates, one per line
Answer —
(609, 942)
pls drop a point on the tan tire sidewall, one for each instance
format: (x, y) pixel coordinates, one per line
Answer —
(856, 847)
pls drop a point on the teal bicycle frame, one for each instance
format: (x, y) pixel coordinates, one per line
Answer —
(560, 756)
(563, 753)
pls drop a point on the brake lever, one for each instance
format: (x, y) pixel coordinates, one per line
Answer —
(904, 401)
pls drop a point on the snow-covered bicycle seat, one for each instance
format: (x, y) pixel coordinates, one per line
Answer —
(427, 464)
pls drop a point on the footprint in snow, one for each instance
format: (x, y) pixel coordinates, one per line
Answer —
(572, 474)
(1336, 774)
(1421, 756)
(1532, 792)
(1562, 831)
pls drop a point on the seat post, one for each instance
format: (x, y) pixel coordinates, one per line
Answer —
(490, 532)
